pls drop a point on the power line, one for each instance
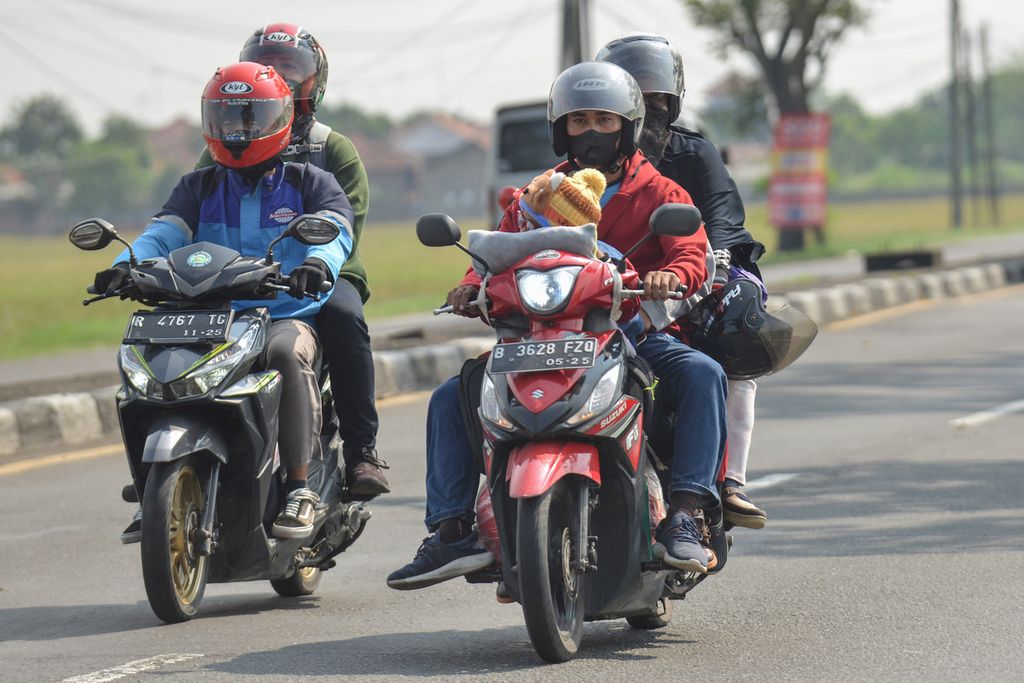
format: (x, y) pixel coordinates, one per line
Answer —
(42, 65)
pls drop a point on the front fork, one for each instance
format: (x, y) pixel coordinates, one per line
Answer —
(205, 536)
(586, 550)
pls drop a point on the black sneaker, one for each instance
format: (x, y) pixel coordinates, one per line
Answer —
(296, 519)
(363, 473)
(681, 539)
(133, 532)
(436, 562)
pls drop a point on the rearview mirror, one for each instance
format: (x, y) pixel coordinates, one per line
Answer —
(675, 220)
(313, 230)
(93, 234)
(437, 230)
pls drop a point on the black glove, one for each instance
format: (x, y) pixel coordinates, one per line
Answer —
(112, 279)
(307, 278)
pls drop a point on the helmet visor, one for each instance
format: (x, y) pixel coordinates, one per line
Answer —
(786, 334)
(296, 66)
(245, 120)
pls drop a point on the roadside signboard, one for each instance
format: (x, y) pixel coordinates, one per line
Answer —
(798, 191)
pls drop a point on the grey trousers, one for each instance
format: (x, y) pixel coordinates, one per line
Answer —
(293, 349)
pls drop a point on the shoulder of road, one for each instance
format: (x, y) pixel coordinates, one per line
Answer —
(67, 399)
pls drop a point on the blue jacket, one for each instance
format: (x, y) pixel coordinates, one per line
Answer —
(214, 204)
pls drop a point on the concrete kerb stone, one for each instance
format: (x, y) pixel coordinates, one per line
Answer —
(73, 418)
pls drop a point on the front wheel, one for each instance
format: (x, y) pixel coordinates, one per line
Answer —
(302, 582)
(172, 568)
(551, 589)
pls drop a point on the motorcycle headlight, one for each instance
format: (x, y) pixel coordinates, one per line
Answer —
(601, 397)
(489, 407)
(545, 291)
(137, 371)
(210, 370)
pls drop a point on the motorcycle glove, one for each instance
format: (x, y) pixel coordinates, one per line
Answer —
(112, 279)
(307, 278)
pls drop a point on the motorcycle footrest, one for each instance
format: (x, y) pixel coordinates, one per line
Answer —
(489, 575)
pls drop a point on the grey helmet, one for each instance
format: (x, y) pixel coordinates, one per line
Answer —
(601, 86)
(655, 65)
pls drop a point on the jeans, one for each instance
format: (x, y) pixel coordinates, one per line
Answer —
(452, 475)
(292, 349)
(695, 387)
(346, 345)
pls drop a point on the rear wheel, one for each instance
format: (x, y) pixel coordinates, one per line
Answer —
(303, 581)
(551, 590)
(649, 622)
(172, 568)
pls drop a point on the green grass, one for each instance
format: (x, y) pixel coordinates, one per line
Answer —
(43, 281)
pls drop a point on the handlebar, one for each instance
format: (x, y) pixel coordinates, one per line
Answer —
(639, 292)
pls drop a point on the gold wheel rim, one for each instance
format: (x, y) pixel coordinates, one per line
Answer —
(186, 516)
(307, 573)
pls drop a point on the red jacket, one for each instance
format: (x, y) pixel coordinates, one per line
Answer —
(624, 222)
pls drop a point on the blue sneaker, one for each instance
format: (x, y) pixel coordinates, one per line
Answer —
(680, 541)
(436, 562)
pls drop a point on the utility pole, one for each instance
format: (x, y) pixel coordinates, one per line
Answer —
(575, 33)
(954, 114)
(967, 77)
(990, 137)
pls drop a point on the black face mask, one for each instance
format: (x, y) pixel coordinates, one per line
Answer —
(655, 135)
(252, 174)
(600, 150)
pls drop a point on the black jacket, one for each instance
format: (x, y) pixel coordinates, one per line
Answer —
(693, 162)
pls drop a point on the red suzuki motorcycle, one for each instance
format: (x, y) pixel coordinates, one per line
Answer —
(562, 408)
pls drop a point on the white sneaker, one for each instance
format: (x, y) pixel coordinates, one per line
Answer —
(296, 519)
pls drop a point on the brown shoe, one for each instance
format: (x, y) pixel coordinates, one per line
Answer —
(363, 471)
(740, 510)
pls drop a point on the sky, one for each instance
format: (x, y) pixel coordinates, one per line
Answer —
(151, 60)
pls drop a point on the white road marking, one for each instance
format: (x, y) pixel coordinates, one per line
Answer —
(131, 668)
(41, 532)
(770, 480)
(984, 416)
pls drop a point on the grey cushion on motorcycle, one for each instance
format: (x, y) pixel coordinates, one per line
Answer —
(502, 250)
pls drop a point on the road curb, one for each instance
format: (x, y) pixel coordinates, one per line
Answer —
(72, 418)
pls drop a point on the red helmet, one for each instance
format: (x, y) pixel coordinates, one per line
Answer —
(247, 115)
(297, 56)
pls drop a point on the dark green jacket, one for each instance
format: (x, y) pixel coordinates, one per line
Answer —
(338, 156)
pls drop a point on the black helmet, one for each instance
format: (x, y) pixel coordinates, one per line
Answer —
(652, 62)
(297, 56)
(601, 86)
(733, 327)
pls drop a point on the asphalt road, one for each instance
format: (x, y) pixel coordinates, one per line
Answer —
(895, 553)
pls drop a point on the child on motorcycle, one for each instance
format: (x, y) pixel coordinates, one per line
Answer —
(243, 202)
(595, 116)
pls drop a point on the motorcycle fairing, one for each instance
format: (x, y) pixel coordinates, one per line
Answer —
(173, 438)
(535, 466)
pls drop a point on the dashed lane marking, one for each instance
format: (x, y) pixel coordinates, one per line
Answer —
(975, 419)
(770, 480)
(131, 668)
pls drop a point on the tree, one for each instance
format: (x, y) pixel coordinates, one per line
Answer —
(789, 39)
(42, 127)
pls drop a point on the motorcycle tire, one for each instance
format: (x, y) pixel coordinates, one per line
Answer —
(648, 622)
(551, 591)
(172, 569)
(303, 581)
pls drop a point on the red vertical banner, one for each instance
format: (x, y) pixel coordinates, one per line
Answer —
(798, 192)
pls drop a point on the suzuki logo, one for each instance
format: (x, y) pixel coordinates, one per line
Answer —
(537, 394)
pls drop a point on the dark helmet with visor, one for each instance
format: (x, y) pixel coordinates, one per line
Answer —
(655, 65)
(246, 115)
(733, 327)
(600, 86)
(297, 56)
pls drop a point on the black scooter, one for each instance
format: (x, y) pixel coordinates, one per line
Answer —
(199, 423)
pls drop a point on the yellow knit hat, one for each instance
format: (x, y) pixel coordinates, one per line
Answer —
(576, 199)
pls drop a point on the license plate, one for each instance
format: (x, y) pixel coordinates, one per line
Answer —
(562, 354)
(178, 327)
